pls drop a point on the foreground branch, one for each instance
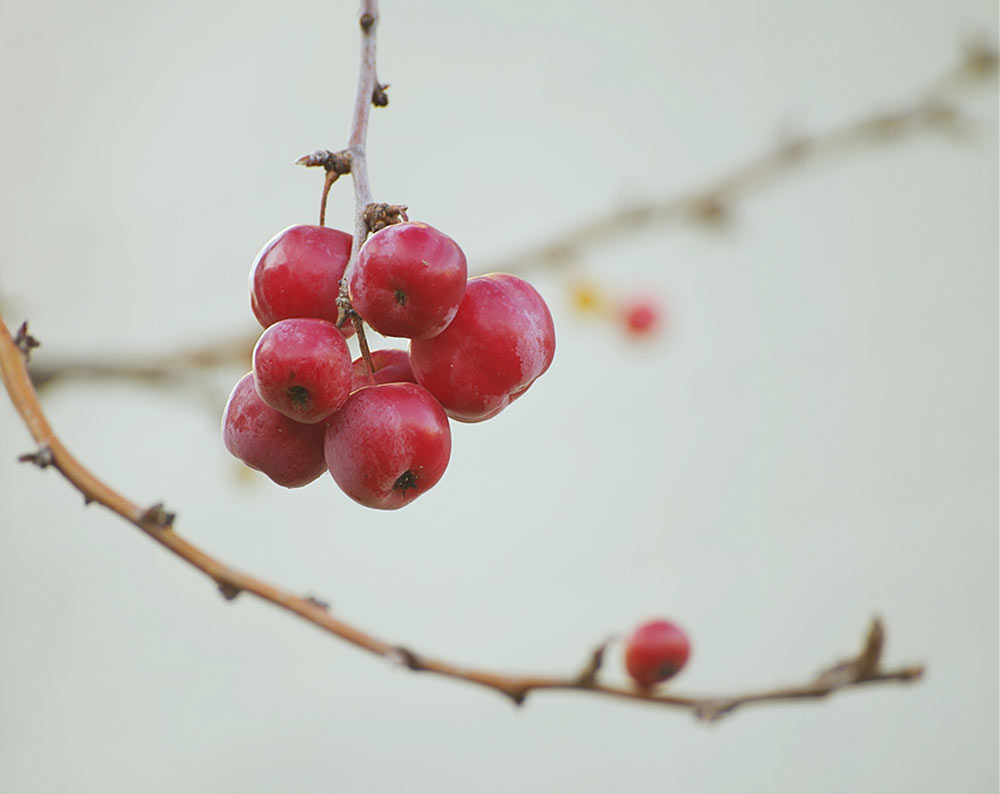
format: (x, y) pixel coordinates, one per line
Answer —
(158, 524)
(935, 109)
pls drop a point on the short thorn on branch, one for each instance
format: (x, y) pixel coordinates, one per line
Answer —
(588, 675)
(981, 57)
(318, 602)
(405, 658)
(712, 211)
(25, 342)
(159, 515)
(377, 215)
(42, 458)
(228, 591)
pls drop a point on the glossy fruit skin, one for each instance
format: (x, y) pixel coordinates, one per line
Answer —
(656, 651)
(388, 444)
(409, 280)
(501, 340)
(302, 368)
(391, 366)
(288, 452)
(297, 274)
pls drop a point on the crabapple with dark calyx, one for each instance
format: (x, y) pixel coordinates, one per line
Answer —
(302, 368)
(655, 651)
(388, 444)
(408, 280)
(501, 340)
(297, 274)
(391, 366)
(289, 452)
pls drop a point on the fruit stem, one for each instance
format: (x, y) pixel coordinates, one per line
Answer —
(359, 326)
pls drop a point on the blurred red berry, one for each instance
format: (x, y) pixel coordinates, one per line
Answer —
(641, 317)
(656, 651)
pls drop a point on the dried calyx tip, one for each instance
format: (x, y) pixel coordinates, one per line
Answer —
(379, 215)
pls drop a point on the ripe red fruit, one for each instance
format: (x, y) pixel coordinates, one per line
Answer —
(391, 366)
(408, 281)
(641, 317)
(288, 452)
(302, 368)
(500, 341)
(298, 273)
(656, 651)
(388, 445)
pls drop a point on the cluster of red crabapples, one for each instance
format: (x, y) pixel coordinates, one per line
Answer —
(476, 345)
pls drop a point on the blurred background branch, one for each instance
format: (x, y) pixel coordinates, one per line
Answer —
(936, 108)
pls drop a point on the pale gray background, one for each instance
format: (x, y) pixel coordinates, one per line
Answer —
(812, 441)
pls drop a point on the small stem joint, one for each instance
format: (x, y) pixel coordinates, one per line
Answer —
(336, 165)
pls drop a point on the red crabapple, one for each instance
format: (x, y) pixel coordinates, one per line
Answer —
(298, 273)
(288, 452)
(302, 368)
(391, 366)
(500, 341)
(655, 651)
(388, 444)
(641, 317)
(408, 281)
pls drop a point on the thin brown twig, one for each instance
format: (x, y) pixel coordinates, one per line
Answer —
(708, 204)
(357, 139)
(158, 524)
